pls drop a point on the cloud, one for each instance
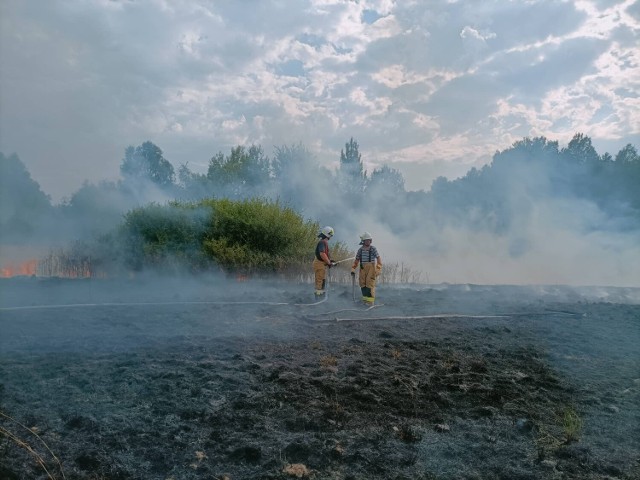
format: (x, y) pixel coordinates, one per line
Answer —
(83, 80)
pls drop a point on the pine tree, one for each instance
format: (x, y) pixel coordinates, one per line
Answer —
(352, 177)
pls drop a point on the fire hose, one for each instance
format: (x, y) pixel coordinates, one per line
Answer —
(353, 286)
(344, 260)
(353, 278)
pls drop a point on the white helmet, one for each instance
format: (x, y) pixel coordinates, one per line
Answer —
(326, 231)
(366, 236)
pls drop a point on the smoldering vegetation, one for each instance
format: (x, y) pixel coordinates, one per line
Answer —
(538, 214)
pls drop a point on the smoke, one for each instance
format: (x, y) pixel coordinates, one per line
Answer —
(535, 215)
(554, 241)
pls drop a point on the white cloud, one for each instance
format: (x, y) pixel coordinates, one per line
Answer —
(425, 82)
(472, 33)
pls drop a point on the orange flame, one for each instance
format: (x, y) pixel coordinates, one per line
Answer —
(13, 270)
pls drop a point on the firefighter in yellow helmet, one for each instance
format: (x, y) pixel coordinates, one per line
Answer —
(370, 267)
(322, 259)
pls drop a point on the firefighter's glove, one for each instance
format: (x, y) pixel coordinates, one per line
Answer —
(353, 272)
(378, 269)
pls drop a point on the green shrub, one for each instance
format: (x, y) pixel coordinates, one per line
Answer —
(259, 236)
(572, 424)
(162, 236)
(261, 225)
(252, 236)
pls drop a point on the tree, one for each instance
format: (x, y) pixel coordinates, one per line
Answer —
(386, 182)
(242, 172)
(628, 155)
(292, 160)
(627, 178)
(296, 174)
(385, 194)
(606, 158)
(527, 150)
(352, 177)
(24, 208)
(194, 186)
(147, 162)
(95, 209)
(258, 168)
(580, 150)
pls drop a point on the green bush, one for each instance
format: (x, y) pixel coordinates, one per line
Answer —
(251, 236)
(162, 236)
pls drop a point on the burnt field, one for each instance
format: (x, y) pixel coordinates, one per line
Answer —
(213, 379)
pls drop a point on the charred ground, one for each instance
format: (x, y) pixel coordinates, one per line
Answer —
(547, 389)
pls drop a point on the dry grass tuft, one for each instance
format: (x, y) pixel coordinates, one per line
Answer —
(29, 448)
(327, 361)
(566, 430)
(297, 470)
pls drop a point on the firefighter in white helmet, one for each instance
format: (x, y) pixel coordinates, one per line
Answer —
(322, 259)
(370, 267)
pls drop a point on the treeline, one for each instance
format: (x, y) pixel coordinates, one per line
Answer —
(597, 193)
(506, 193)
(293, 176)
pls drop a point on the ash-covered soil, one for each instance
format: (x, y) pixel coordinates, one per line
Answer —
(186, 379)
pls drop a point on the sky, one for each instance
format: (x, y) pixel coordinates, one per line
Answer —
(431, 88)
